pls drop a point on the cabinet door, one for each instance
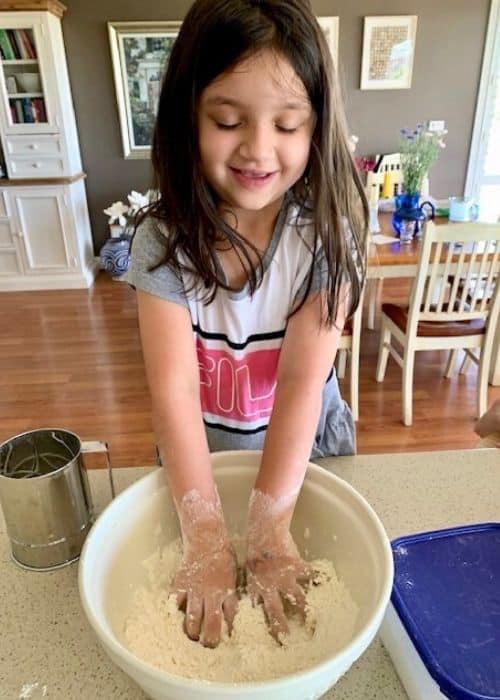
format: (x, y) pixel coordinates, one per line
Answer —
(45, 231)
(29, 103)
(10, 259)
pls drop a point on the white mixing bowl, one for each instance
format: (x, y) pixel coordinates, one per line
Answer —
(341, 527)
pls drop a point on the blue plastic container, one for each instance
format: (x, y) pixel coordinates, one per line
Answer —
(445, 606)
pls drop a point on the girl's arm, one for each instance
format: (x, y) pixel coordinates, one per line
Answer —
(306, 360)
(274, 566)
(173, 377)
(206, 580)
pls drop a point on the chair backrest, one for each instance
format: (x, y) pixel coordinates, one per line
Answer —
(457, 274)
(386, 162)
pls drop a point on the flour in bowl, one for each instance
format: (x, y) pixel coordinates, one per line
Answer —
(154, 629)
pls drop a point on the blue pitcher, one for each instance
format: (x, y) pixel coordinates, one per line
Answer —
(409, 216)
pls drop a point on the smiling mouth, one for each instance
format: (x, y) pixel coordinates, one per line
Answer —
(252, 173)
(252, 177)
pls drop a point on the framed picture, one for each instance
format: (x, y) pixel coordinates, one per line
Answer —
(330, 26)
(139, 54)
(388, 50)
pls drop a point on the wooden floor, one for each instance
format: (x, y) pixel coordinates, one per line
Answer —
(72, 359)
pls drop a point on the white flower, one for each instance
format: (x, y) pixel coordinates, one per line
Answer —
(152, 195)
(353, 142)
(117, 212)
(137, 201)
(123, 214)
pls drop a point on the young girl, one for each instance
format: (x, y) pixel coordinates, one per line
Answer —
(246, 268)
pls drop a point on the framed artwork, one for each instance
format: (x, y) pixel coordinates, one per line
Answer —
(330, 26)
(139, 54)
(388, 51)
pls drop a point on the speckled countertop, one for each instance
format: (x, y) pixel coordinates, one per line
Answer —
(48, 650)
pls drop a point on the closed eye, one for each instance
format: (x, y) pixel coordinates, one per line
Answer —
(228, 127)
(221, 125)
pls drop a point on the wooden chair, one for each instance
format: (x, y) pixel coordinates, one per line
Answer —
(350, 343)
(444, 317)
(467, 359)
(388, 162)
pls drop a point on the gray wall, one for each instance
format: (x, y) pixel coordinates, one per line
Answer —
(449, 47)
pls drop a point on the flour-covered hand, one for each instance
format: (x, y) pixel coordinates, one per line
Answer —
(205, 584)
(274, 567)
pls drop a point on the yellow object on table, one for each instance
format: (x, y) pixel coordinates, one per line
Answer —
(387, 187)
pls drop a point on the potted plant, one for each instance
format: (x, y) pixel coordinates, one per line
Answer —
(419, 150)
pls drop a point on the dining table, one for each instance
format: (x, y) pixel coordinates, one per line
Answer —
(393, 259)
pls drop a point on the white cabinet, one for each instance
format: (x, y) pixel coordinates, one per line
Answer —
(41, 246)
(36, 109)
(45, 236)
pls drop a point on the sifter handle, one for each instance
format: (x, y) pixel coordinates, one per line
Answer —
(91, 446)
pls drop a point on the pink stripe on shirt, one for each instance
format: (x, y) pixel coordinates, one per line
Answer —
(239, 389)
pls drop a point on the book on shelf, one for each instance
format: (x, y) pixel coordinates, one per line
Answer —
(28, 114)
(17, 44)
(19, 112)
(39, 112)
(28, 46)
(25, 110)
(14, 43)
(5, 47)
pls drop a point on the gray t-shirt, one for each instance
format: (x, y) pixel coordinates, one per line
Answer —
(238, 336)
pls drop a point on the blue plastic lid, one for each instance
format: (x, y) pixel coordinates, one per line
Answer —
(447, 594)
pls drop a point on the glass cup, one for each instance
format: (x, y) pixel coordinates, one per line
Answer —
(462, 209)
(407, 231)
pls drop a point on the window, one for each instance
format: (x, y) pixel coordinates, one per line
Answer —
(483, 176)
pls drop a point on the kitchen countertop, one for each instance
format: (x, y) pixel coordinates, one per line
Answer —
(48, 650)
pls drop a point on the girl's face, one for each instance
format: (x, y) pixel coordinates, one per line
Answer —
(255, 127)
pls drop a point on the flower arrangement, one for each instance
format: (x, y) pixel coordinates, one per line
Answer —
(115, 252)
(365, 164)
(419, 150)
(123, 215)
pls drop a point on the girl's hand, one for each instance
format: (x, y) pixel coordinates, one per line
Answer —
(274, 567)
(205, 584)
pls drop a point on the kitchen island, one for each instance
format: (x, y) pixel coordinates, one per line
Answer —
(48, 650)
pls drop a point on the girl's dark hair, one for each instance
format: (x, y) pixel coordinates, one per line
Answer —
(214, 37)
